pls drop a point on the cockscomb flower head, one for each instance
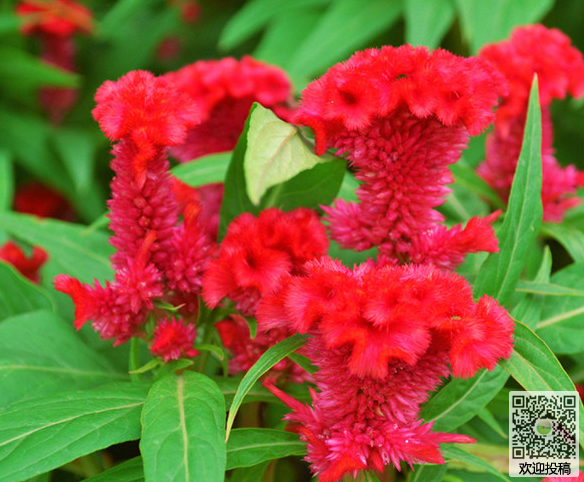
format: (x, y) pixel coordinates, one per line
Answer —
(12, 253)
(174, 339)
(401, 116)
(258, 253)
(559, 66)
(224, 91)
(382, 337)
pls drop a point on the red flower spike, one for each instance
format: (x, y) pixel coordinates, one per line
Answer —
(401, 115)
(224, 91)
(533, 49)
(174, 339)
(29, 267)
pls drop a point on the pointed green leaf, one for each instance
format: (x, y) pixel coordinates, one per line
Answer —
(77, 150)
(547, 289)
(128, 471)
(19, 295)
(571, 238)
(467, 177)
(205, 170)
(229, 386)
(250, 446)
(6, 181)
(427, 21)
(272, 356)
(452, 452)
(427, 473)
(500, 272)
(183, 435)
(81, 422)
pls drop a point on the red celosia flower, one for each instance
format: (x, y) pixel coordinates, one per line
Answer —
(381, 338)
(559, 66)
(401, 115)
(40, 200)
(174, 339)
(55, 22)
(29, 267)
(224, 91)
(580, 478)
(257, 254)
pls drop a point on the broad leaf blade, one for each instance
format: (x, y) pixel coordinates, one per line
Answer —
(500, 272)
(454, 453)
(206, 170)
(428, 473)
(571, 238)
(19, 295)
(82, 422)
(427, 21)
(128, 471)
(183, 430)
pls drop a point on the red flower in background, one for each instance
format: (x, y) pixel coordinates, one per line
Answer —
(559, 66)
(224, 91)
(401, 115)
(29, 267)
(42, 201)
(54, 22)
(381, 338)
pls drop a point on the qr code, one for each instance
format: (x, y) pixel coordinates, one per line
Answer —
(543, 434)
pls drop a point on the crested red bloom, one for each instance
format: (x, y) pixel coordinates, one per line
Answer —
(381, 338)
(224, 91)
(28, 267)
(257, 254)
(174, 339)
(55, 22)
(401, 115)
(559, 66)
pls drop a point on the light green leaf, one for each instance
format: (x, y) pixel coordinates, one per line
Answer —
(19, 295)
(461, 399)
(276, 152)
(229, 386)
(71, 250)
(536, 368)
(427, 473)
(82, 422)
(6, 181)
(77, 150)
(547, 289)
(427, 21)
(272, 356)
(206, 170)
(571, 238)
(468, 178)
(485, 22)
(250, 446)
(452, 452)
(128, 471)
(183, 430)
(349, 187)
(40, 354)
(340, 32)
(500, 272)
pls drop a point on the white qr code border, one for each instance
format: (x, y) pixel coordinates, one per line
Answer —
(543, 433)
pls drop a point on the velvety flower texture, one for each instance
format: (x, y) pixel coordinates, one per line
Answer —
(381, 338)
(559, 66)
(55, 22)
(401, 115)
(12, 253)
(174, 339)
(157, 256)
(224, 91)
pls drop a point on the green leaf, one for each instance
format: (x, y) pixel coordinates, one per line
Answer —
(81, 422)
(461, 399)
(229, 386)
(205, 170)
(272, 356)
(9, 23)
(19, 295)
(250, 446)
(340, 32)
(467, 177)
(500, 272)
(254, 16)
(6, 181)
(488, 418)
(571, 238)
(183, 430)
(40, 354)
(452, 452)
(485, 22)
(128, 471)
(275, 153)
(427, 21)
(349, 187)
(77, 150)
(249, 474)
(427, 473)
(536, 368)
(72, 250)
(547, 289)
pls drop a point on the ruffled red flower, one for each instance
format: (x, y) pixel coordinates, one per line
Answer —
(224, 91)
(174, 339)
(559, 66)
(54, 17)
(257, 254)
(401, 115)
(28, 267)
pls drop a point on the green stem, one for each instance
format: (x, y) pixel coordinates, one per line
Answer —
(134, 361)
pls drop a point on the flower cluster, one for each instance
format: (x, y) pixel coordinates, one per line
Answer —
(402, 115)
(559, 66)
(157, 257)
(382, 338)
(12, 253)
(224, 91)
(55, 22)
